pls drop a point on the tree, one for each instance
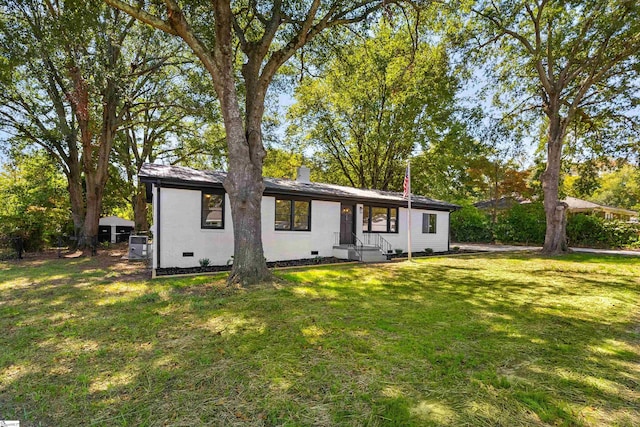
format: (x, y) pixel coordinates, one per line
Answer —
(73, 65)
(494, 178)
(167, 123)
(267, 35)
(570, 60)
(620, 188)
(366, 111)
(34, 205)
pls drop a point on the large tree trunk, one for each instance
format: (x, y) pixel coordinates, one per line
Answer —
(92, 217)
(245, 187)
(555, 239)
(76, 197)
(140, 209)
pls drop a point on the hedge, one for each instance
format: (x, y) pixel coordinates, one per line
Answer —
(525, 224)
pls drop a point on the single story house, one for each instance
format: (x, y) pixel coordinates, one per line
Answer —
(574, 206)
(300, 219)
(114, 229)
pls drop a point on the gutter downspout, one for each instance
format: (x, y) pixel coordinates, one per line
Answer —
(449, 234)
(157, 236)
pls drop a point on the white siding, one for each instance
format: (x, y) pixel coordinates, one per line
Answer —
(181, 232)
(180, 219)
(438, 241)
(282, 245)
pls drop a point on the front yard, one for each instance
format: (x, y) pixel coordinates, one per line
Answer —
(513, 340)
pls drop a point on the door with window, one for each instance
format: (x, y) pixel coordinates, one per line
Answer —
(346, 224)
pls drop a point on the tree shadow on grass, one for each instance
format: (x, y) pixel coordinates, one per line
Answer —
(432, 344)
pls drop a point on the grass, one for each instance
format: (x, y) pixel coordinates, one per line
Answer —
(513, 340)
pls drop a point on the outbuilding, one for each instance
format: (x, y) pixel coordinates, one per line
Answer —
(114, 229)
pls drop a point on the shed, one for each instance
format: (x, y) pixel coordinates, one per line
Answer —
(114, 229)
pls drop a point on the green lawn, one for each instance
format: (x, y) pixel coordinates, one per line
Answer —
(513, 340)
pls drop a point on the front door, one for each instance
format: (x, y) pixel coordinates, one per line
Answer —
(346, 224)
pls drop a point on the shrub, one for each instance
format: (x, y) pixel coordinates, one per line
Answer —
(470, 224)
(428, 251)
(590, 230)
(204, 262)
(522, 224)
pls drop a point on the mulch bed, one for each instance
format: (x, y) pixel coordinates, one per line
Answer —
(169, 271)
(425, 254)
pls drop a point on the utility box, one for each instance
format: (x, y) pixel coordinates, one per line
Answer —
(138, 247)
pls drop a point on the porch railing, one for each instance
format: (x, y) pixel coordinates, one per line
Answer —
(368, 239)
(378, 241)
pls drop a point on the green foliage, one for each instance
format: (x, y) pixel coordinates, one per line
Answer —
(204, 262)
(525, 224)
(594, 231)
(620, 188)
(470, 224)
(375, 103)
(281, 164)
(34, 204)
(587, 180)
(522, 223)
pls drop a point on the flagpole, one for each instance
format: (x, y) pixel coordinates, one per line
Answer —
(409, 210)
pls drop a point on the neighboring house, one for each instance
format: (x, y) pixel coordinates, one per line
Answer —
(607, 212)
(114, 229)
(574, 206)
(501, 204)
(300, 219)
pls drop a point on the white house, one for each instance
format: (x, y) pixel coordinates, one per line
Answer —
(300, 219)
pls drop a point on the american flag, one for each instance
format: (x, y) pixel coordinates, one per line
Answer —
(405, 184)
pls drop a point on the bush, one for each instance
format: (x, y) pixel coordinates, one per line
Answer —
(522, 224)
(590, 230)
(470, 224)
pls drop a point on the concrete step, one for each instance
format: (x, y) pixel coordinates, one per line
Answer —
(369, 253)
(372, 254)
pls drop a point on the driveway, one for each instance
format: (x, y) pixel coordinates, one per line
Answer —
(486, 247)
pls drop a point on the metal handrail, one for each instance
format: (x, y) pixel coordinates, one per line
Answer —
(379, 242)
(357, 246)
(384, 245)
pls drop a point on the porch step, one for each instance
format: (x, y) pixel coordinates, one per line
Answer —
(372, 254)
(369, 253)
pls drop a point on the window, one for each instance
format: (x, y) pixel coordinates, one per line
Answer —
(429, 223)
(212, 210)
(376, 219)
(293, 215)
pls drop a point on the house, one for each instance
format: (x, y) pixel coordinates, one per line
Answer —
(114, 229)
(574, 206)
(300, 219)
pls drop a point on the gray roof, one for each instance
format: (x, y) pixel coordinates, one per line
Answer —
(585, 205)
(188, 177)
(504, 202)
(573, 204)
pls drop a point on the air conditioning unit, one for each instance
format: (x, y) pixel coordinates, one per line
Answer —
(138, 247)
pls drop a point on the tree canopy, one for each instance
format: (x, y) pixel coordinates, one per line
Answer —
(567, 62)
